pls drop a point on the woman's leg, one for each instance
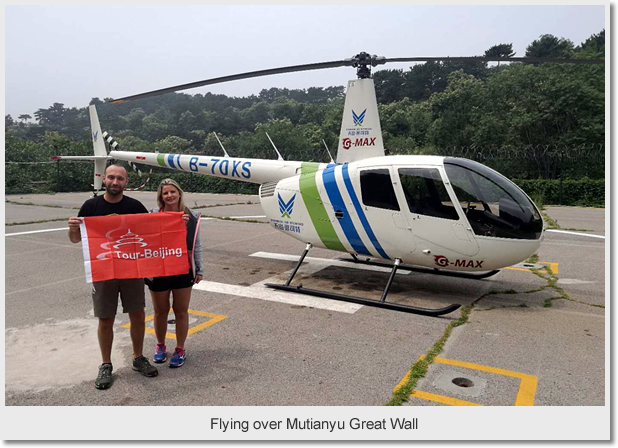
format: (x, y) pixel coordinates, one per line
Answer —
(181, 311)
(161, 305)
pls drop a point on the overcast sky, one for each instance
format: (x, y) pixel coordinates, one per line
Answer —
(71, 54)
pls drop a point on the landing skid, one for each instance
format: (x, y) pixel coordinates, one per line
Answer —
(434, 271)
(382, 303)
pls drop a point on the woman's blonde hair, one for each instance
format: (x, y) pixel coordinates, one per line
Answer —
(173, 183)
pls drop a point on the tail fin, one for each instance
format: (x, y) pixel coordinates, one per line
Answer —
(99, 148)
(361, 135)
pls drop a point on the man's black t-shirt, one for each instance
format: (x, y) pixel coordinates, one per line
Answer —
(98, 206)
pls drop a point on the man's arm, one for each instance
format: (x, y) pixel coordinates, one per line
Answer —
(75, 235)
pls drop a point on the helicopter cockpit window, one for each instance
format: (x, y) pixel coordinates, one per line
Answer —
(494, 205)
(377, 189)
(425, 193)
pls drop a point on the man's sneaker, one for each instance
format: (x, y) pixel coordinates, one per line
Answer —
(160, 353)
(104, 379)
(143, 366)
(178, 358)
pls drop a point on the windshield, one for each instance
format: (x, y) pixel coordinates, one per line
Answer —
(494, 205)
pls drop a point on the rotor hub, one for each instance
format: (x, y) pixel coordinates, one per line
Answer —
(363, 63)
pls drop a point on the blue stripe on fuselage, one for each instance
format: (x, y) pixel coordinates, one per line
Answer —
(330, 183)
(170, 160)
(360, 213)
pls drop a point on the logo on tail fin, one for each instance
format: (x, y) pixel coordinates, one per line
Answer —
(358, 119)
(286, 208)
(95, 136)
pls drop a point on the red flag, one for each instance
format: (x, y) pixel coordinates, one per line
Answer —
(134, 246)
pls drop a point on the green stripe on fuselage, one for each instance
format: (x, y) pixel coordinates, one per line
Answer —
(317, 212)
(161, 160)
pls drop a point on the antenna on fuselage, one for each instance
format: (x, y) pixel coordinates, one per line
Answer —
(329, 154)
(271, 142)
(221, 144)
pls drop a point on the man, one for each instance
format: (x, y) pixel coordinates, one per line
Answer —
(105, 294)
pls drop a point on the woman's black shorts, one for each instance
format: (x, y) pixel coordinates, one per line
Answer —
(159, 284)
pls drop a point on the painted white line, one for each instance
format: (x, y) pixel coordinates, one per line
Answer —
(575, 233)
(206, 219)
(324, 262)
(271, 295)
(572, 281)
(34, 231)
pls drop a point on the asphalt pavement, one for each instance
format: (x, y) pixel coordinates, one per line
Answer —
(530, 339)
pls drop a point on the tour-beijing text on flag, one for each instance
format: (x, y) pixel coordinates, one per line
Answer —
(134, 246)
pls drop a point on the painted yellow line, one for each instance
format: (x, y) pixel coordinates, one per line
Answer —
(214, 318)
(403, 381)
(525, 394)
(442, 399)
(553, 266)
(527, 391)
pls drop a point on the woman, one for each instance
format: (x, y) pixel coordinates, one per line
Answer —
(169, 199)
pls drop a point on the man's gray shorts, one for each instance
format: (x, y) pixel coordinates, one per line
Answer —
(105, 296)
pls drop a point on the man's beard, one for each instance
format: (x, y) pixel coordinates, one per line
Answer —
(114, 193)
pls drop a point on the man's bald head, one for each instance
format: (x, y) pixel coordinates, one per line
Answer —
(117, 165)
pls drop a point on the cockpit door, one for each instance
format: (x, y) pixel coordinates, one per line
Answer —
(386, 225)
(432, 212)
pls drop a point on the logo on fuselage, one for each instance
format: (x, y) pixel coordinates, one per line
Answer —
(444, 262)
(368, 141)
(286, 208)
(358, 119)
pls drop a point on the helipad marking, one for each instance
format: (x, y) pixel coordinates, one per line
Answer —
(553, 266)
(270, 295)
(35, 231)
(525, 395)
(442, 399)
(575, 233)
(214, 318)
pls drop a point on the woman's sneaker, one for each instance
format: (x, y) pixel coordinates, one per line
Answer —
(160, 354)
(178, 358)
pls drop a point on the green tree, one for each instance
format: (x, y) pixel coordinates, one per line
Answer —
(549, 46)
(500, 51)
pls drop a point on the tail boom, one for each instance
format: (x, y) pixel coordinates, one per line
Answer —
(257, 171)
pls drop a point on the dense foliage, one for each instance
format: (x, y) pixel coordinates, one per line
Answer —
(528, 121)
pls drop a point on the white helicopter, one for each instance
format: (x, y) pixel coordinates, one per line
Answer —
(433, 214)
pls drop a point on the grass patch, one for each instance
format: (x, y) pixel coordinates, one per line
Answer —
(420, 367)
(551, 224)
(552, 282)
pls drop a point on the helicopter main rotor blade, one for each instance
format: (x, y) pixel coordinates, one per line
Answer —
(272, 71)
(361, 61)
(496, 59)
